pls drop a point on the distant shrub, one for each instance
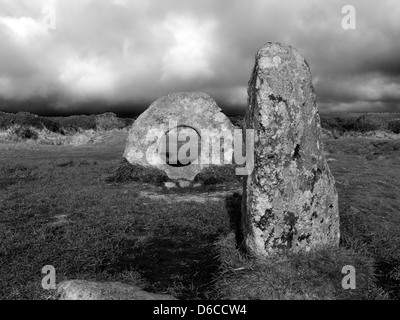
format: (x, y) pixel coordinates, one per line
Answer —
(364, 123)
(237, 121)
(52, 125)
(347, 124)
(331, 123)
(394, 126)
(6, 120)
(25, 133)
(76, 123)
(338, 123)
(328, 123)
(128, 121)
(108, 121)
(369, 122)
(26, 119)
(62, 125)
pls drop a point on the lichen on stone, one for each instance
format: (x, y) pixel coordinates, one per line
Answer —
(290, 200)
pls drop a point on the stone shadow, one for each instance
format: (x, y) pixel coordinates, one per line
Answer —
(184, 259)
(234, 208)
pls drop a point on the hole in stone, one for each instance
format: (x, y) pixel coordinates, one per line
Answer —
(180, 146)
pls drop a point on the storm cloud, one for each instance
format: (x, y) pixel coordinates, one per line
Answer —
(118, 55)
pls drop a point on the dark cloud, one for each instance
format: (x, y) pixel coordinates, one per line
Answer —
(121, 54)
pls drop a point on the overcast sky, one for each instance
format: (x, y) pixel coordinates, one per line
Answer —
(106, 54)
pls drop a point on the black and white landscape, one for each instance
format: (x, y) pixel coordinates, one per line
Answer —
(79, 219)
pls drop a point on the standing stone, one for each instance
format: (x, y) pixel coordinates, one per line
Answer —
(193, 114)
(289, 201)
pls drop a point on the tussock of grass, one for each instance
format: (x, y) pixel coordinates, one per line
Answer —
(394, 126)
(316, 275)
(14, 174)
(12, 168)
(129, 172)
(208, 176)
(71, 163)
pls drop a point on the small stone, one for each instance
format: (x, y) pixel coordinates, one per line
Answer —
(170, 185)
(86, 290)
(184, 183)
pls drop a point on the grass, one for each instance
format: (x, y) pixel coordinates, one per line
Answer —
(113, 231)
(366, 173)
(316, 275)
(370, 207)
(109, 231)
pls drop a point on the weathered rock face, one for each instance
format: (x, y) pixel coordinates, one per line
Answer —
(290, 202)
(86, 290)
(192, 114)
